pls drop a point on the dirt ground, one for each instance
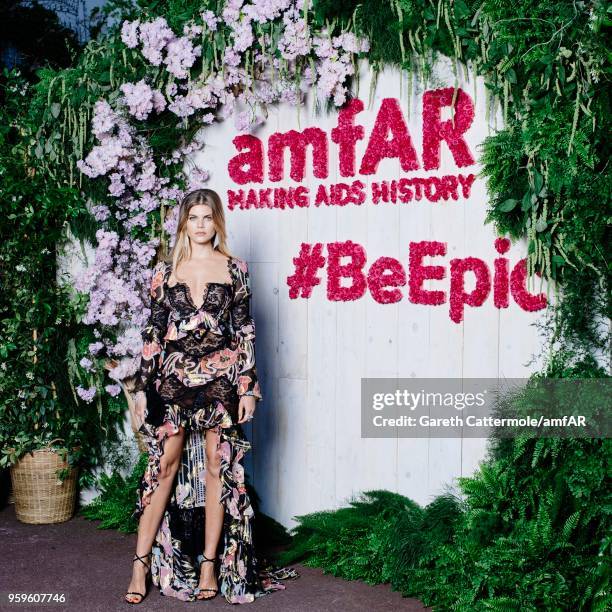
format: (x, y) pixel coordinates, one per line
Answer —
(92, 566)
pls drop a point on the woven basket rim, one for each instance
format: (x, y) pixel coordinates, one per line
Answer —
(47, 448)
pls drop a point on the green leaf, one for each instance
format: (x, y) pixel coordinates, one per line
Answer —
(538, 181)
(561, 71)
(526, 202)
(508, 205)
(461, 9)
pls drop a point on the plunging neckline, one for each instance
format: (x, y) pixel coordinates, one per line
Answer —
(206, 286)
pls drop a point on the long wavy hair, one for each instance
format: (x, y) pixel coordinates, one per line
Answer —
(181, 250)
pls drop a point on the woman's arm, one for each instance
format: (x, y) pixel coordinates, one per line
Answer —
(244, 333)
(154, 331)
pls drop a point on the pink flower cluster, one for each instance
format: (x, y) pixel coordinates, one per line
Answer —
(335, 290)
(116, 282)
(156, 37)
(451, 130)
(117, 279)
(86, 395)
(141, 99)
(296, 142)
(335, 65)
(128, 161)
(210, 19)
(333, 61)
(115, 136)
(295, 40)
(181, 55)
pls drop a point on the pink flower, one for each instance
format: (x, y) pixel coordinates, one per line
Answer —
(155, 35)
(247, 120)
(95, 347)
(113, 390)
(295, 40)
(197, 179)
(231, 57)
(350, 43)
(191, 30)
(86, 394)
(139, 98)
(211, 21)
(159, 102)
(181, 107)
(104, 119)
(129, 33)
(243, 35)
(181, 55)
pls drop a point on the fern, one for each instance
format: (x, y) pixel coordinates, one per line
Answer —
(115, 503)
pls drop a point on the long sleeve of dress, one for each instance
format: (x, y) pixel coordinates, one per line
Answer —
(154, 331)
(244, 334)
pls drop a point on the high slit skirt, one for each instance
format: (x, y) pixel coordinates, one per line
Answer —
(179, 543)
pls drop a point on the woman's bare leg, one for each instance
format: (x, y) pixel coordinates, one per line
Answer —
(153, 512)
(214, 512)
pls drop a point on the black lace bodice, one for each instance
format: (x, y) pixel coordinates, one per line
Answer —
(194, 344)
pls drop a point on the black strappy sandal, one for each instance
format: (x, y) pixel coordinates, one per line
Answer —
(141, 595)
(214, 591)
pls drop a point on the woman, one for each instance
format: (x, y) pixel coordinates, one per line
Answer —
(197, 384)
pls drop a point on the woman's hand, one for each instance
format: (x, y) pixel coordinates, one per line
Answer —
(140, 403)
(246, 408)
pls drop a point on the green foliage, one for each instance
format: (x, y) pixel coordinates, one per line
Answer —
(351, 542)
(116, 502)
(39, 317)
(536, 525)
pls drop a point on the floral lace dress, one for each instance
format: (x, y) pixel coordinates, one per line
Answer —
(201, 360)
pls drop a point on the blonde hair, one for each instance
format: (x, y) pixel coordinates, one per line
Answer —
(181, 251)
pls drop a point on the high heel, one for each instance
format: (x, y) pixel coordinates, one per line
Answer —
(141, 595)
(214, 591)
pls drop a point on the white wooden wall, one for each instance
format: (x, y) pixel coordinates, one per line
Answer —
(311, 353)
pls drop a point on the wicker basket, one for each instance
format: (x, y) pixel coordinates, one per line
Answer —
(40, 496)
